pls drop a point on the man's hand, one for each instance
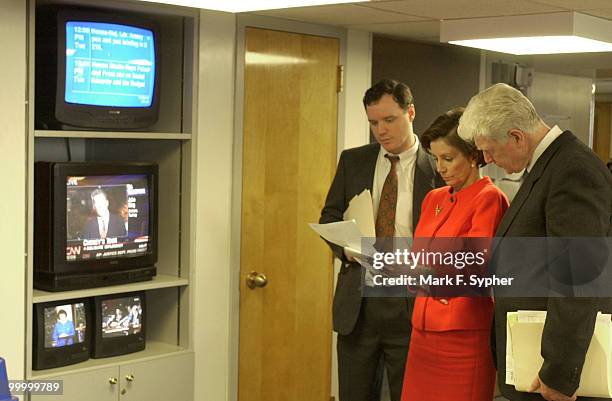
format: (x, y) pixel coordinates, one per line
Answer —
(348, 254)
(548, 393)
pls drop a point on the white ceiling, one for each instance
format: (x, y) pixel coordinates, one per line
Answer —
(420, 19)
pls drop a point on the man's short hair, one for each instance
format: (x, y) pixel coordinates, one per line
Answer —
(97, 192)
(398, 90)
(495, 111)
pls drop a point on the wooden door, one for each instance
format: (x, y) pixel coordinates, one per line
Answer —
(289, 157)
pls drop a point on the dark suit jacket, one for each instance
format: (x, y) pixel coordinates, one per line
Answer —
(568, 193)
(116, 227)
(355, 173)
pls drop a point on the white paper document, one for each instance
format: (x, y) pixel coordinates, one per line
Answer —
(524, 329)
(360, 209)
(347, 235)
(356, 234)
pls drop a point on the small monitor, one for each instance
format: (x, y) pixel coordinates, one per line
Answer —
(120, 324)
(62, 331)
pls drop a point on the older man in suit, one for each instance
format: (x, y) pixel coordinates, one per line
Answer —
(566, 192)
(398, 173)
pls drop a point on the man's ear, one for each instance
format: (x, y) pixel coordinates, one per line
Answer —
(411, 112)
(517, 136)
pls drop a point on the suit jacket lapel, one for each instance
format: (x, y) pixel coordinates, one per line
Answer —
(531, 178)
(367, 168)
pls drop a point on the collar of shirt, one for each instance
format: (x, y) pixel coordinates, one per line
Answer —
(543, 145)
(406, 157)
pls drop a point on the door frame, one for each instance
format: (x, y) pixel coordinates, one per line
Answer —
(256, 21)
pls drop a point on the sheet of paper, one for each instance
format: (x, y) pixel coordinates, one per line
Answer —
(360, 209)
(345, 234)
(526, 337)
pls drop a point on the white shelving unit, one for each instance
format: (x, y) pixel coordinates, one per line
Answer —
(164, 370)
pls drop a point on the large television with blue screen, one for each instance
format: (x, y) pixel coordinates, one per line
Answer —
(62, 333)
(96, 69)
(95, 224)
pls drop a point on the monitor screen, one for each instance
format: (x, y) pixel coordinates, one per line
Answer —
(107, 216)
(121, 316)
(65, 325)
(109, 64)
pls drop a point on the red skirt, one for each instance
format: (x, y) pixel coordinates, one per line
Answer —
(449, 365)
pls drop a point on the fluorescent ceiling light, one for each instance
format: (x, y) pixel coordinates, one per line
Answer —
(566, 32)
(238, 6)
(538, 45)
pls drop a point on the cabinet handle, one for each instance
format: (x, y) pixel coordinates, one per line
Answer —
(112, 380)
(129, 378)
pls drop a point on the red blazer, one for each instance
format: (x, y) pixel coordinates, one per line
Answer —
(474, 211)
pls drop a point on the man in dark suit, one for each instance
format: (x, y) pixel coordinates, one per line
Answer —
(398, 173)
(566, 194)
(104, 224)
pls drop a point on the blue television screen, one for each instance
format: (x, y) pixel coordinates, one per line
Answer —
(109, 64)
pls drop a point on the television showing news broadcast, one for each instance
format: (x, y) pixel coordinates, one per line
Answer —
(121, 316)
(107, 216)
(65, 325)
(109, 64)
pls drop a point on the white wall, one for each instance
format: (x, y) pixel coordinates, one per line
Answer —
(357, 79)
(13, 177)
(564, 100)
(214, 147)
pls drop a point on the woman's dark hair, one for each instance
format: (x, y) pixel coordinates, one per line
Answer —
(445, 127)
(398, 90)
(60, 312)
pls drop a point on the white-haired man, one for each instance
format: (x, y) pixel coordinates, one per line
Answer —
(566, 192)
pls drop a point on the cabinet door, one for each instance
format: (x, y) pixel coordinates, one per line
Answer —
(94, 385)
(163, 379)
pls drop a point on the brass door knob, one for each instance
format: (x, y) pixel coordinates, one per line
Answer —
(255, 279)
(129, 378)
(112, 380)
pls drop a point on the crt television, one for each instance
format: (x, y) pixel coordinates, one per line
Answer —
(62, 333)
(119, 324)
(95, 224)
(96, 69)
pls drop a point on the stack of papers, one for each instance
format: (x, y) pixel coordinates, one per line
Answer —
(523, 359)
(356, 233)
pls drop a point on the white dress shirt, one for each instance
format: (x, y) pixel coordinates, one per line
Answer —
(543, 145)
(405, 186)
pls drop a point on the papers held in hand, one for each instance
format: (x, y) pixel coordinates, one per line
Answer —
(356, 234)
(524, 329)
(361, 211)
(347, 235)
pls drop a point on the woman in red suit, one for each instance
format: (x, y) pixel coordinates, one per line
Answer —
(450, 356)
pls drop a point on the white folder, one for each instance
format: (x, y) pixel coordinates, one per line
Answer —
(524, 329)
